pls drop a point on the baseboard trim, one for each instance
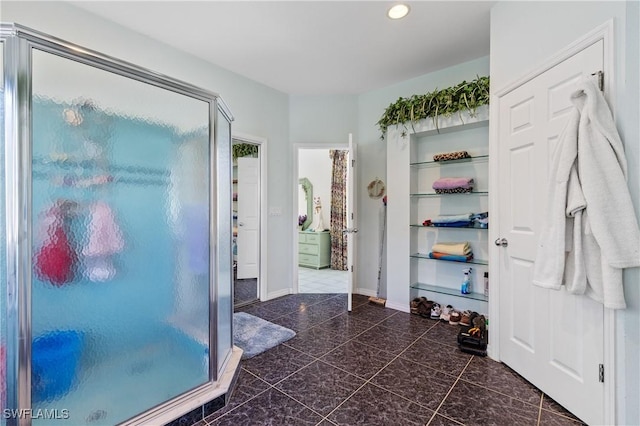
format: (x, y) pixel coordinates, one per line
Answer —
(402, 307)
(276, 294)
(365, 291)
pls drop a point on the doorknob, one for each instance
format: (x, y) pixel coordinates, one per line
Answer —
(241, 224)
(501, 242)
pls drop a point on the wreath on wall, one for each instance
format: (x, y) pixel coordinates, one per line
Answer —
(465, 96)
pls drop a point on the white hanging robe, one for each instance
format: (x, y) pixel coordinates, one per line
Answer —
(590, 232)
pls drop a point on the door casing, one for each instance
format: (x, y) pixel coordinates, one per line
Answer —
(263, 261)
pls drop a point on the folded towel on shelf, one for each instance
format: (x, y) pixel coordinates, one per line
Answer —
(448, 156)
(452, 218)
(451, 257)
(461, 248)
(453, 183)
(454, 191)
(458, 224)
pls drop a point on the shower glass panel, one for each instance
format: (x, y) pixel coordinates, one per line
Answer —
(225, 264)
(3, 237)
(120, 243)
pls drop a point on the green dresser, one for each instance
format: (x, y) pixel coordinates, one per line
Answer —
(314, 249)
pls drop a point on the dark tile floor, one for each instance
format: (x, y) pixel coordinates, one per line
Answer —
(375, 366)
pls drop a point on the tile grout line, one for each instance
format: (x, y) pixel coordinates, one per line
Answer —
(540, 408)
(368, 381)
(274, 385)
(497, 391)
(452, 386)
(574, 418)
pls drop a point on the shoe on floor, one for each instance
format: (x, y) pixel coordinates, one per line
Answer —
(465, 318)
(435, 311)
(454, 318)
(446, 311)
(415, 303)
(424, 309)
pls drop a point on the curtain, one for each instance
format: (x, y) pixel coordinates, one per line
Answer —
(338, 209)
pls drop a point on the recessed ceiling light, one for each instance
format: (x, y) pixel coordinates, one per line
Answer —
(398, 11)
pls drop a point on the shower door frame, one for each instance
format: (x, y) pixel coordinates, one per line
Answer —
(18, 42)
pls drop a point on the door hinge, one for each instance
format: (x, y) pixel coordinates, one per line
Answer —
(601, 373)
(353, 163)
(351, 216)
(351, 268)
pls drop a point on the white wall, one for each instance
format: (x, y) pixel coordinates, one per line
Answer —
(315, 165)
(525, 34)
(259, 110)
(323, 119)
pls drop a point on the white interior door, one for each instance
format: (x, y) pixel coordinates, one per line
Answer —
(248, 239)
(552, 338)
(352, 230)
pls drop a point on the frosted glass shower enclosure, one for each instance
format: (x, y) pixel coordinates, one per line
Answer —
(115, 221)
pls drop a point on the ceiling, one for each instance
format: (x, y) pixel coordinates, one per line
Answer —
(313, 47)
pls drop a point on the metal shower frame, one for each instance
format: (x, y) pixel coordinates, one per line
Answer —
(18, 42)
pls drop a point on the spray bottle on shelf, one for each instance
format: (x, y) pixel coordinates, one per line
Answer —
(466, 282)
(486, 284)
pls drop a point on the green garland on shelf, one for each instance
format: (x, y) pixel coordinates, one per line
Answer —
(244, 150)
(465, 96)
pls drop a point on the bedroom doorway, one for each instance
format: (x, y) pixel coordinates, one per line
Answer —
(322, 259)
(248, 183)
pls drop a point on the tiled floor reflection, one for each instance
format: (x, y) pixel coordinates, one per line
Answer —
(245, 291)
(375, 366)
(321, 280)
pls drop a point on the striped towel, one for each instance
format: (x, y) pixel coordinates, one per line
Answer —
(451, 257)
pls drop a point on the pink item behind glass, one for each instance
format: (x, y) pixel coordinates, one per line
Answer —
(105, 236)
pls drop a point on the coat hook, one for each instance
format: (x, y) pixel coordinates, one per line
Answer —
(600, 75)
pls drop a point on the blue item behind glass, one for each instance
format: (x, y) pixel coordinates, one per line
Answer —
(54, 362)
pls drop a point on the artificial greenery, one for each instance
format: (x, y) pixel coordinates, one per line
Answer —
(464, 96)
(244, 150)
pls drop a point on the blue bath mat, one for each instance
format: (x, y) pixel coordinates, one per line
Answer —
(254, 335)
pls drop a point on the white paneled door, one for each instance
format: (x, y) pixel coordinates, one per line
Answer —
(552, 338)
(248, 217)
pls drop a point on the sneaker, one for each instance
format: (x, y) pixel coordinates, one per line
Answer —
(454, 318)
(435, 311)
(446, 311)
(465, 318)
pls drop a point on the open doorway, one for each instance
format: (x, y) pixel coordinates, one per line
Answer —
(321, 245)
(248, 200)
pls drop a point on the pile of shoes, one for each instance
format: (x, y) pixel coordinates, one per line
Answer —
(421, 306)
(473, 336)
